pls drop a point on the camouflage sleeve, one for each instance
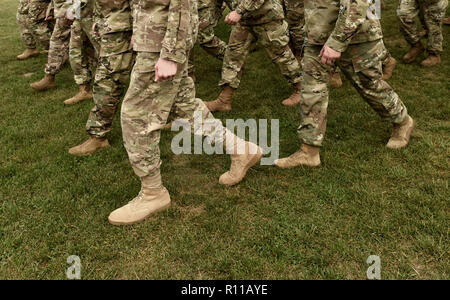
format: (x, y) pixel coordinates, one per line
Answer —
(352, 15)
(174, 44)
(249, 5)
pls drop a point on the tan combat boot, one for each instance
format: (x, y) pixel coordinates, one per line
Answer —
(413, 53)
(446, 21)
(307, 156)
(28, 53)
(388, 69)
(296, 96)
(335, 80)
(90, 146)
(46, 83)
(152, 198)
(223, 102)
(244, 155)
(432, 60)
(401, 134)
(84, 94)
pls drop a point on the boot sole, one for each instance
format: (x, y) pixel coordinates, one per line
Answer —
(250, 164)
(87, 154)
(141, 219)
(300, 165)
(67, 102)
(42, 90)
(31, 56)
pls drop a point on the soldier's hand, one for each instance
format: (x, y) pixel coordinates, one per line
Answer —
(165, 69)
(329, 56)
(233, 18)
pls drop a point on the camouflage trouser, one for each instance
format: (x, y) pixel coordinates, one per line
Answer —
(147, 107)
(433, 14)
(41, 29)
(111, 80)
(295, 17)
(58, 53)
(273, 37)
(24, 25)
(213, 45)
(362, 65)
(83, 52)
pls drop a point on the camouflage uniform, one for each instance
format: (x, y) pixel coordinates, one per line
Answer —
(24, 25)
(433, 15)
(343, 26)
(113, 22)
(209, 13)
(170, 34)
(58, 53)
(39, 27)
(264, 19)
(295, 17)
(83, 47)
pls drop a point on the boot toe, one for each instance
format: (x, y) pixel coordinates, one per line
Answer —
(227, 179)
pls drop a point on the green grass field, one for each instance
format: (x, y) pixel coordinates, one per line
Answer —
(295, 224)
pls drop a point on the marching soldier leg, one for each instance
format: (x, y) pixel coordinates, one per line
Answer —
(25, 32)
(407, 12)
(81, 57)
(38, 25)
(275, 39)
(295, 17)
(313, 110)
(434, 15)
(57, 56)
(362, 65)
(111, 79)
(235, 57)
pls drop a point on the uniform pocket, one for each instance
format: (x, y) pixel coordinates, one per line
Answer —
(277, 32)
(367, 56)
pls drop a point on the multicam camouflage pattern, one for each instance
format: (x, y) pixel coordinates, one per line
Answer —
(362, 65)
(113, 16)
(433, 13)
(257, 12)
(209, 13)
(115, 62)
(274, 37)
(147, 107)
(295, 17)
(168, 26)
(39, 27)
(209, 17)
(84, 47)
(58, 53)
(24, 25)
(148, 104)
(340, 23)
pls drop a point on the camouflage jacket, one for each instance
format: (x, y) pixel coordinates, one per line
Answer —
(112, 16)
(338, 23)
(256, 12)
(169, 27)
